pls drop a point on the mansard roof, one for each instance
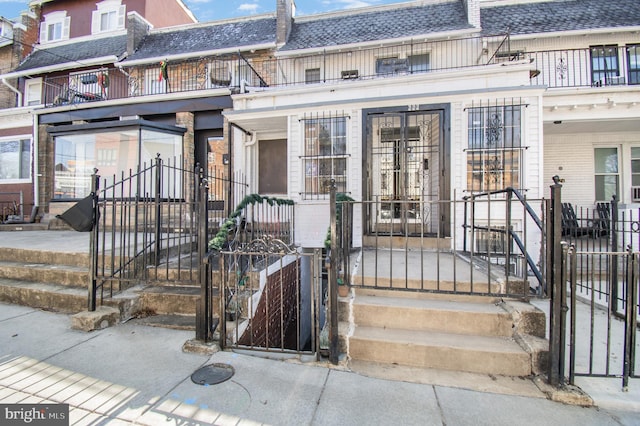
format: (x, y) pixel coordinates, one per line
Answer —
(560, 15)
(209, 37)
(384, 23)
(58, 54)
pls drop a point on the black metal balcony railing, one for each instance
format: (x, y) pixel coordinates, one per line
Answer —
(573, 68)
(560, 68)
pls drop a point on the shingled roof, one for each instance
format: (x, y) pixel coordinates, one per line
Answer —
(560, 15)
(45, 56)
(207, 38)
(382, 24)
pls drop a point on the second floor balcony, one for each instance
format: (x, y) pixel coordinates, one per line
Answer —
(595, 66)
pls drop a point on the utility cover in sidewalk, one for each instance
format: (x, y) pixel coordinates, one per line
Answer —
(212, 374)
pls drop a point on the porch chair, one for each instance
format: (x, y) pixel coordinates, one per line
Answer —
(604, 222)
(572, 225)
(16, 220)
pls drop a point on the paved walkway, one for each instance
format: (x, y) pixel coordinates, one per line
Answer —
(135, 374)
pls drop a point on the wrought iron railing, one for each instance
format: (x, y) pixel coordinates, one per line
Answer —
(553, 68)
(237, 71)
(573, 68)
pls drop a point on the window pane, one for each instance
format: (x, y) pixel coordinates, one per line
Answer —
(25, 159)
(606, 187)
(312, 75)
(419, 63)
(606, 160)
(15, 159)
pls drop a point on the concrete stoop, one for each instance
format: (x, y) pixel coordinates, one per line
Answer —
(457, 333)
(58, 282)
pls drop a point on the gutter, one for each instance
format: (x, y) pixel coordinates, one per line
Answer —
(13, 89)
(554, 34)
(190, 55)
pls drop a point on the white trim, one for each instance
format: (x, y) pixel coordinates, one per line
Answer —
(32, 82)
(31, 153)
(571, 33)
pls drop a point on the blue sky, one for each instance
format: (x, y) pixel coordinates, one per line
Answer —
(208, 10)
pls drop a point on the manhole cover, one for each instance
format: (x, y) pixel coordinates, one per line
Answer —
(212, 374)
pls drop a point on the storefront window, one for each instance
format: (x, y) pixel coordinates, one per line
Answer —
(114, 153)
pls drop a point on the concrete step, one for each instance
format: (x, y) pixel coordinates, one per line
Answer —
(56, 297)
(67, 275)
(176, 322)
(170, 299)
(447, 351)
(471, 318)
(48, 296)
(45, 257)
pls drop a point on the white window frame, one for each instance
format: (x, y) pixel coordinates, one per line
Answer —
(54, 19)
(22, 139)
(606, 174)
(108, 7)
(33, 92)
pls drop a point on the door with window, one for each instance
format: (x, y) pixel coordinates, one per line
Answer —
(406, 177)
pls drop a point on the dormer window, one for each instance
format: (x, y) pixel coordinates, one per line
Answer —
(55, 27)
(109, 16)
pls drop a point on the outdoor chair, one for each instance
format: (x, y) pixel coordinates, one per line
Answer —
(16, 220)
(604, 221)
(573, 226)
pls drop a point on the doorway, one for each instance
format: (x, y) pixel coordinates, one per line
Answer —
(406, 170)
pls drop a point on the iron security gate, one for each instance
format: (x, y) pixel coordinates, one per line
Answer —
(270, 298)
(406, 172)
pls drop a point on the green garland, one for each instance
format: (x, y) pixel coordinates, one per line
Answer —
(221, 237)
(340, 198)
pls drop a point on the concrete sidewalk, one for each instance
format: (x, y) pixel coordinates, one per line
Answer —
(134, 374)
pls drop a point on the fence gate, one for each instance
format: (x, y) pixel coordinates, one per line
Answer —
(270, 298)
(594, 289)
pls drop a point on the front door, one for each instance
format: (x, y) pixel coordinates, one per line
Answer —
(406, 169)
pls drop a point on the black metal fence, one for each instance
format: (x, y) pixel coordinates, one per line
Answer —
(148, 225)
(490, 245)
(593, 288)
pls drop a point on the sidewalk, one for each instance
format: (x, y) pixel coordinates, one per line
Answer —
(134, 374)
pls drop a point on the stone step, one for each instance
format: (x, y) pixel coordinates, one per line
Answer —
(173, 321)
(66, 275)
(447, 351)
(470, 318)
(169, 299)
(44, 257)
(56, 297)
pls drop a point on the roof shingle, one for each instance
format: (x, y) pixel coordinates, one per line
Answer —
(45, 56)
(560, 15)
(382, 24)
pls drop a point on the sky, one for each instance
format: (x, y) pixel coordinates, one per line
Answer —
(210, 10)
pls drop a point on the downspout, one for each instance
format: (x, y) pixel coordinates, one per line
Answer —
(250, 157)
(35, 173)
(13, 89)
